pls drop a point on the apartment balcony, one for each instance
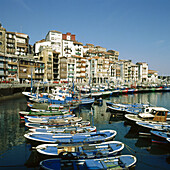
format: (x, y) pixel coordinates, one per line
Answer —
(11, 41)
(11, 51)
(67, 49)
(83, 69)
(23, 75)
(12, 63)
(49, 76)
(55, 62)
(12, 70)
(72, 72)
(39, 72)
(55, 73)
(78, 49)
(70, 76)
(82, 74)
(70, 67)
(49, 62)
(25, 65)
(78, 53)
(39, 77)
(49, 72)
(63, 76)
(2, 73)
(10, 37)
(2, 59)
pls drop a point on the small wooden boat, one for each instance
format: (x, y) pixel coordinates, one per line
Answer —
(48, 118)
(47, 113)
(118, 162)
(45, 106)
(62, 138)
(168, 139)
(55, 120)
(104, 149)
(67, 124)
(70, 129)
(154, 126)
(159, 136)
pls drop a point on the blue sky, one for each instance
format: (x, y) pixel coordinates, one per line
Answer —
(138, 29)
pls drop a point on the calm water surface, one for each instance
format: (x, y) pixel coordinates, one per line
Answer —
(16, 153)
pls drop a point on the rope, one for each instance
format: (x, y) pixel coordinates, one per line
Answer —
(130, 149)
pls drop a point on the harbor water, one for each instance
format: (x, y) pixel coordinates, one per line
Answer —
(17, 153)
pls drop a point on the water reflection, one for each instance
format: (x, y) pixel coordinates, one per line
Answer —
(12, 131)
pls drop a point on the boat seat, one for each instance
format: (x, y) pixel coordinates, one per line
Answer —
(91, 164)
(89, 147)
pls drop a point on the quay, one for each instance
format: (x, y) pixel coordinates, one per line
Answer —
(13, 89)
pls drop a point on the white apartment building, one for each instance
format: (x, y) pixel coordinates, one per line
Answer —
(39, 44)
(55, 37)
(143, 72)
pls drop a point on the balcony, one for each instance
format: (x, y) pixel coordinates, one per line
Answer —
(78, 53)
(70, 67)
(12, 70)
(12, 63)
(78, 49)
(72, 72)
(70, 76)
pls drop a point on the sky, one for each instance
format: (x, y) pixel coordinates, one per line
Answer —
(138, 29)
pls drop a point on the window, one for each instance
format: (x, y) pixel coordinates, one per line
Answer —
(0, 33)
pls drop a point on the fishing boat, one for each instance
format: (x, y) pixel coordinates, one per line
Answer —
(61, 138)
(43, 119)
(61, 120)
(118, 108)
(155, 115)
(68, 124)
(159, 136)
(154, 126)
(71, 129)
(47, 113)
(168, 139)
(110, 148)
(45, 106)
(127, 108)
(118, 162)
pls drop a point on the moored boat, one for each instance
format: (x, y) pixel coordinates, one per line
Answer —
(25, 113)
(104, 149)
(91, 137)
(154, 126)
(159, 136)
(55, 120)
(118, 162)
(68, 124)
(71, 129)
(156, 115)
